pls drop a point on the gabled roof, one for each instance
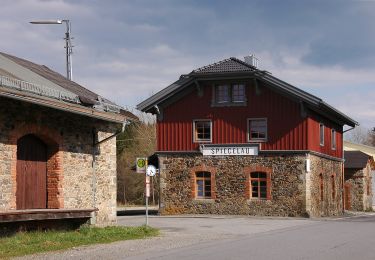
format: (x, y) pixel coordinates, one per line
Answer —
(234, 68)
(356, 159)
(24, 76)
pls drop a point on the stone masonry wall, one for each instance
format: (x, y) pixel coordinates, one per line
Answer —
(324, 187)
(360, 188)
(230, 184)
(75, 182)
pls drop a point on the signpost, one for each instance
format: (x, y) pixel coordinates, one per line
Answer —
(149, 171)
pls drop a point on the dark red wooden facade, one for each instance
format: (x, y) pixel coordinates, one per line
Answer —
(287, 128)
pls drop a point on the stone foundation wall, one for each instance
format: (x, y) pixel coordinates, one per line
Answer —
(73, 182)
(293, 191)
(325, 195)
(360, 188)
(231, 194)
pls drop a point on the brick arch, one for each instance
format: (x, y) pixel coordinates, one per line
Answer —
(203, 168)
(257, 168)
(54, 142)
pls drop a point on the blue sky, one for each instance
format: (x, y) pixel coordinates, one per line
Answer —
(128, 50)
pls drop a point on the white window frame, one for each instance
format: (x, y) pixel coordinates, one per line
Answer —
(194, 136)
(249, 139)
(333, 139)
(321, 137)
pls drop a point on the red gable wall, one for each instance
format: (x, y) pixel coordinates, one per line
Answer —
(287, 129)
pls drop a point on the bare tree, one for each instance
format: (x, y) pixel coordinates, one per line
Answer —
(361, 135)
(138, 140)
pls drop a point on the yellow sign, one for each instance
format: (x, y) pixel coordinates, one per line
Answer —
(141, 164)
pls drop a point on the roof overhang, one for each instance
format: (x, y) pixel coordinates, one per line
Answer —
(63, 106)
(314, 103)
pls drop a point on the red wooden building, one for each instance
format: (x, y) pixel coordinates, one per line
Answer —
(266, 146)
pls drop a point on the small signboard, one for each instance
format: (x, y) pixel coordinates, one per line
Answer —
(141, 163)
(229, 150)
(147, 186)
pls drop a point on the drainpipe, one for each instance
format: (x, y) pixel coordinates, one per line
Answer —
(95, 145)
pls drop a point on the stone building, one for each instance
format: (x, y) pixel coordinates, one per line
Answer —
(358, 180)
(57, 147)
(233, 139)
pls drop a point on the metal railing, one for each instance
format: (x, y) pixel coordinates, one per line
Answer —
(38, 89)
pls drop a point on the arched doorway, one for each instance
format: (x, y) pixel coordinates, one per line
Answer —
(31, 176)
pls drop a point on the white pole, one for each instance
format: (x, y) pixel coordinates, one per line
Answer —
(147, 193)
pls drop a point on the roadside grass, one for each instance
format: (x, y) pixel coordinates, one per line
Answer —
(25, 243)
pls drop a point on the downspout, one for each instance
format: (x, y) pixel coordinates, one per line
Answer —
(159, 175)
(95, 145)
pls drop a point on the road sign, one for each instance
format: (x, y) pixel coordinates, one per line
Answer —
(141, 163)
(151, 171)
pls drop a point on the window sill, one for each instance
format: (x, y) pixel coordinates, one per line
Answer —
(229, 104)
(258, 201)
(257, 141)
(202, 142)
(203, 201)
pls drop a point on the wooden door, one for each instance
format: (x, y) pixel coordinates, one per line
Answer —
(347, 192)
(31, 173)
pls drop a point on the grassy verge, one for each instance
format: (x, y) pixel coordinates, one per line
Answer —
(25, 243)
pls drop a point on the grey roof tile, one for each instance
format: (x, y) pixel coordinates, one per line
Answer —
(84, 94)
(228, 65)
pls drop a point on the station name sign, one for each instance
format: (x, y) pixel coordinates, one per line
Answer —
(226, 150)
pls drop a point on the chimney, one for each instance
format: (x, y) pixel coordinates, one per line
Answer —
(251, 60)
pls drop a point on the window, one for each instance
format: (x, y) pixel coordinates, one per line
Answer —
(202, 130)
(230, 94)
(258, 185)
(321, 187)
(222, 94)
(257, 129)
(203, 185)
(238, 93)
(333, 139)
(321, 134)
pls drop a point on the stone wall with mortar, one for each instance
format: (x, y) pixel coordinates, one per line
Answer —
(292, 189)
(75, 182)
(231, 194)
(360, 188)
(325, 196)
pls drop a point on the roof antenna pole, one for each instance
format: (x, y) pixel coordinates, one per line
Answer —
(68, 44)
(69, 51)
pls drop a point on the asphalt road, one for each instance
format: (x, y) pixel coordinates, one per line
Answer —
(230, 237)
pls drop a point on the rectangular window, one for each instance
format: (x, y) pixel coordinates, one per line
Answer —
(238, 93)
(321, 187)
(222, 94)
(230, 94)
(258, 184)
(333, 139)
(257, 129)
(203, 185)
(321, 134)
(202, 130)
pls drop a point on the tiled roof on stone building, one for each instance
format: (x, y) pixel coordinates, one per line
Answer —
(356, 159)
